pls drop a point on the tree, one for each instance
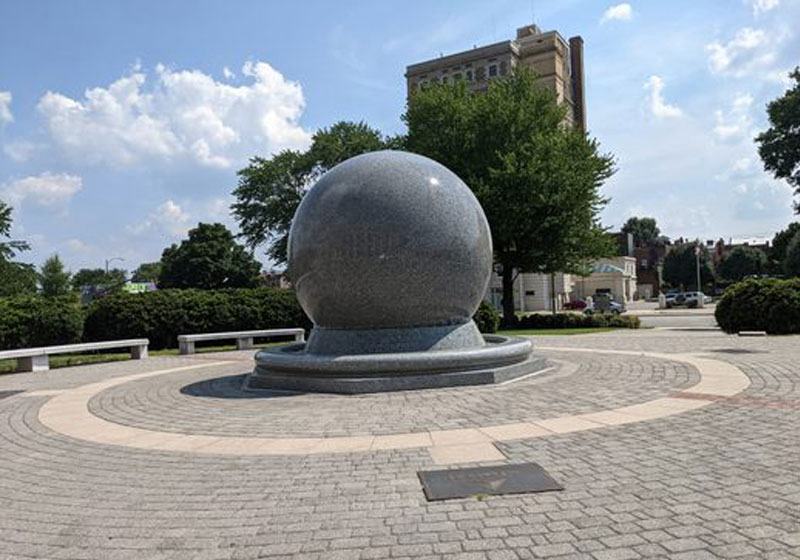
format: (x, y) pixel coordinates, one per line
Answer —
(742, 262)
(791, 265)
(270, 189)
(8, 249)
(112, 279)
(210, 258)
(537, 179)
(645, 230)
(680, 267)
(147, 272)
(779, 245)
(17, 279)
(53, 279)
(779, 145)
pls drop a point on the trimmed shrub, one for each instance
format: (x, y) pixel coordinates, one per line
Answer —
(577, 320)
(769, 305)
(487, 318)
(162, 315)
(31, 321)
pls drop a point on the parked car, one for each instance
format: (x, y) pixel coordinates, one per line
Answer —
(692, 299)
(577, 304)
(609, 305)
(689, 299)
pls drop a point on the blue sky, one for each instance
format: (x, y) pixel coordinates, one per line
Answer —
(122, 124)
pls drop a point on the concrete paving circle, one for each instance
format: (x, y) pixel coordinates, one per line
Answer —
(691, 452)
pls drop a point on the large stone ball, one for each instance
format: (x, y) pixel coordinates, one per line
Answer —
(389, 240)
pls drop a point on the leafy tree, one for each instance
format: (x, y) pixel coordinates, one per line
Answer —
(270, 189)
(17, 279)
(147, 272)
(53, 279)
(742, 262)
(680, 268)
(537, 179)
(8, 249)
(645, 230)
(791, 265)
(115, 278)
(210, 258)
(779, 245)
(779, 145)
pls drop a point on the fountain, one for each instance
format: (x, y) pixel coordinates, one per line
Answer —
(390, 255)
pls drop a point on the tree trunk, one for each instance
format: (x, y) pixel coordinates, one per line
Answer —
(509, 316)
(553, 292)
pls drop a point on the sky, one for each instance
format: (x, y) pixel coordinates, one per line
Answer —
(122, 124)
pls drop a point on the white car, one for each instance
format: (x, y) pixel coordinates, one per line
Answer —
(692, 299)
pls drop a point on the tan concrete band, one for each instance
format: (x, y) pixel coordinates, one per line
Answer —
(68, 414)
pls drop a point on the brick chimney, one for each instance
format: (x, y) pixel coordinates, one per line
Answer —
(578, 92)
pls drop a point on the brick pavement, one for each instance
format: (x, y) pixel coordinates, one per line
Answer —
(717, 482)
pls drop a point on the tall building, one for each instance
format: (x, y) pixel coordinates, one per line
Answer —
(557, 63)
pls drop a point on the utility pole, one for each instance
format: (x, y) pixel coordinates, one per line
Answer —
(697, 264)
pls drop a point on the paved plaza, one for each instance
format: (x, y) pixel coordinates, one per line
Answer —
(669, 444)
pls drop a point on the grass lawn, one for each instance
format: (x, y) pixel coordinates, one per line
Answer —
(67, 360)
(576, 330)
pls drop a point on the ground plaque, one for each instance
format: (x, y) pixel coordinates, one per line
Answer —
(505, 479)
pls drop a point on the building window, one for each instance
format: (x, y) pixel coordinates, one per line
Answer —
(530, 292)
(493, 70)
(457, 76)
(644, 263)
(480, 73)
(469, 75)
(444, 79)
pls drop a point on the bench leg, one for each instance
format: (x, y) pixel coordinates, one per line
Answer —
(139, 352)
(186, 347)
(33, 363)
(244, 343)
(300, 337)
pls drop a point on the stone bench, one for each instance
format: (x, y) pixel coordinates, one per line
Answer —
(244, 339)
(37, 359)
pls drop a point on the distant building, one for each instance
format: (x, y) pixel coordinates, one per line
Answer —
(536, 292)
(557, 63)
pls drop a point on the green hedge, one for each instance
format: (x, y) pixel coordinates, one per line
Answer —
(769, 305)
(577, 320)
(487, 318)
(31, 321)
(162, 315)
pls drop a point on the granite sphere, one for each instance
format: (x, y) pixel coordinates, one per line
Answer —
(389, 239)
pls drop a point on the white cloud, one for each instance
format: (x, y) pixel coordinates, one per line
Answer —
(761, 6)
(228, 73)
(747, 52)
(47, 189)
(655, 99)
(20, 150)
(5, 108)
(167, 217)
(735, 123)
(179, 115)
(76, 245)
(621, 12)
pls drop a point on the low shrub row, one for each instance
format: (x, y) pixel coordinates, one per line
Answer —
(487, 318)
(576, 320)
(30, 321)
(162, 315)
(769, 305)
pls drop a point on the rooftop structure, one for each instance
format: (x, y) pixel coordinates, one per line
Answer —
(557, 63)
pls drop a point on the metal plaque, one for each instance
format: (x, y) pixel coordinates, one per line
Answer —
(505, 479)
